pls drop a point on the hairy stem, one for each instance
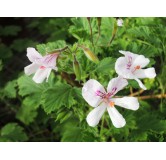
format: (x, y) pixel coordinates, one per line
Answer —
(90, 31)
(59, 50)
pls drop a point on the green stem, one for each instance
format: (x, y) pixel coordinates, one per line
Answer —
(102, 126)
(113, 34)
(99, 24)
(91, 33)
(59, 50)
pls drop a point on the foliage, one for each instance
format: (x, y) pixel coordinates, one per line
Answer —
(55, 110)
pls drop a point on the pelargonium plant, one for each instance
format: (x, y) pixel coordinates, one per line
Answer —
(127, 67)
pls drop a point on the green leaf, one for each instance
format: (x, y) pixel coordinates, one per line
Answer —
(5, 51)
(151, 122)
(50, 46)
(142, 31)
(80, 29)
(11, 30)
(26, 114)
(13, 132)
(58, 96)
(106, 65)
(27, 86)
(73, 133)
(10, 90)
(32, 100)
(134, 84)
(20, 45)
(63, 116)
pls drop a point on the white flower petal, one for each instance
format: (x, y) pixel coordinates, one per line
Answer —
(140, 84)
(120, 22)
(145, 73)
(30, 69)
(128, 53)
(127, 102)
(49, 60)
(41, 75)
(116, 84)
(89, 92)
(33, 55)
(121, 68)
(116, 118)
(140, 61)
(95, 115)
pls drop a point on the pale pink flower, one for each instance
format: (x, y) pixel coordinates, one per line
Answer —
(130, 67)
(119, 22)
(96, 96)
(41, 65)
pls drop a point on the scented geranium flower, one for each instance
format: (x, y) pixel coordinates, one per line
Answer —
(41, 66)
(130, 67)
(119, 22)
(96, 96)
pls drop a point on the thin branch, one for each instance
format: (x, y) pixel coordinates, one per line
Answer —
(158, 96)
(131, 90)
(137, 93)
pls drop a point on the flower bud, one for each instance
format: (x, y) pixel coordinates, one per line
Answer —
(77, 69)
(99, 21)
(119, 22)
(90, 55)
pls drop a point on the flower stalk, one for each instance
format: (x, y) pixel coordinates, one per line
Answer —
(113, 33)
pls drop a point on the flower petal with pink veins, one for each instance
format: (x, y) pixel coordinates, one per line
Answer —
(116, 84)
(122, 69)
(50, 60)
(89, 92)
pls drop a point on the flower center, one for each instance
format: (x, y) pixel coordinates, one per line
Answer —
(129, 62)
(49, 58)
(111, 104)
(106, 96)
(136, 68)
(42, 67)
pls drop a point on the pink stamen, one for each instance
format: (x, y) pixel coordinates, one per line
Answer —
(42, 67)
(106, 95)
(129, 62)
(136, 68)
